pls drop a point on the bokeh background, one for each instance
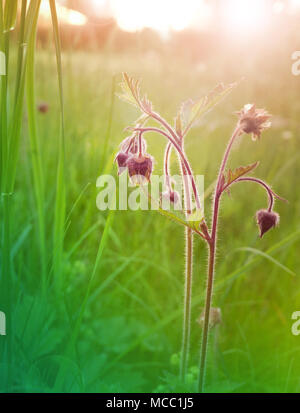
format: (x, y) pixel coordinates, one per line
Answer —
(129, 334)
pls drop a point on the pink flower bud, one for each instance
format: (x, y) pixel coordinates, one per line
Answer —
(266, 220)
(121, 160)
(172, 196)
(140, 169)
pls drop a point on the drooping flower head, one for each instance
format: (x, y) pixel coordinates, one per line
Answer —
(140, 168)
(128, 147)
(121, 160)
(266, 220)
(253, 121)
(170, 196)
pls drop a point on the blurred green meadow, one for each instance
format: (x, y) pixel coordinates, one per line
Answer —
(128, 337)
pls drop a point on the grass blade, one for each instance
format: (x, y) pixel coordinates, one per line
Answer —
(60, 203)
(36, 158)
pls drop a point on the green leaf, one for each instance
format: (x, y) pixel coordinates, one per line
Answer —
(131, 94)
(130, 90)
(194, 221)
(172, 217)
(238, 172)
(192, 111)
(60, 201)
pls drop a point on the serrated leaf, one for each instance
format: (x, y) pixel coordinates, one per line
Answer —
(238, 172)
(194, 110)
(131, 94)
(195, 219)
(127, 95)
(172, 217)
(193, 223)
(130, 90)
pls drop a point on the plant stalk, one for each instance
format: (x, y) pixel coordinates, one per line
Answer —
(211, 260)
(187, 304)
(186, 328)
(209, 291)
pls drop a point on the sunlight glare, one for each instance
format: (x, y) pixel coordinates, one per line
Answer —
(245, 15)
(133, 15)
(65, 15)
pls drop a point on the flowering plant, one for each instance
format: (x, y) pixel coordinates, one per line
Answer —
(139, 164)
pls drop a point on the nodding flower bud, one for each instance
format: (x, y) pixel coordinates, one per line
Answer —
(121, 160)
(266, 220)
(131, 145)
(140, 169)
(171, 196)
(215, 317)
(253, 121)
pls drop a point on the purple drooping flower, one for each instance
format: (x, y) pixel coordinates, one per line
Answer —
(121, 160)
(266, 220)
(171, 196)
(140, 169)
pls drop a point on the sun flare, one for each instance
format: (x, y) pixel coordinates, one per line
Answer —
(162, 16)
(245, 15)
(66, 16)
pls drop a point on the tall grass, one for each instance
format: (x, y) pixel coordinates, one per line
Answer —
(36, 156)
(10, 139)
(12, 118)
(111, 323)
(60, 204)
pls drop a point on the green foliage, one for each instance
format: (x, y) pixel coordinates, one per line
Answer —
(118, 317)
(238, 172)
(192, 111)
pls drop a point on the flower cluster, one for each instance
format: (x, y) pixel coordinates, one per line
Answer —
(133, 157)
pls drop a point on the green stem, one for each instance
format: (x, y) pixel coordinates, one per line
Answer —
(211, 262)
(187, 304)
(188, 277)
(209, 290)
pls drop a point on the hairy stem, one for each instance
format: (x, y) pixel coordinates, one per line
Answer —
(235, 134)
(182, 157)
(269, 191)
(209, 292)
(187, 303)
(165, 124)
(211, 262)
(186, 328)
(166, 165)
